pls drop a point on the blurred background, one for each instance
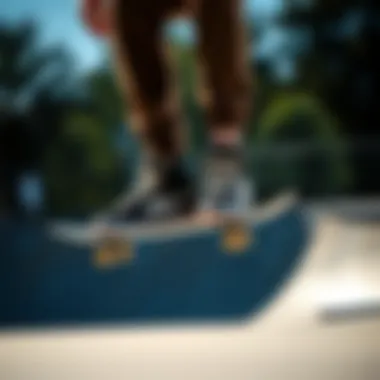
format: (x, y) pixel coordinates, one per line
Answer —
(315, 124)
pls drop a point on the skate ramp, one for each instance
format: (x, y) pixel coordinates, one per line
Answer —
(289, 341)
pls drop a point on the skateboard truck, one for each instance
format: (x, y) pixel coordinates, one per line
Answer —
(112, 252)
(113, 249)
(236, 236)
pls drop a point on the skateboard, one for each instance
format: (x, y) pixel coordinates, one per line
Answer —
(195, 269)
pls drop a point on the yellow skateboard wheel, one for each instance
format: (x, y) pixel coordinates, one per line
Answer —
(236, 238)
(112, 253)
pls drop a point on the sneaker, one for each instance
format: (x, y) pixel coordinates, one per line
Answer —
(162, 192)
(225, 186)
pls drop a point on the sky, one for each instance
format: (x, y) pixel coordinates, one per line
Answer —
(61, 25)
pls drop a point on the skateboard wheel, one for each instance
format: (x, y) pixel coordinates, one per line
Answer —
(236, 238)
(113, 252)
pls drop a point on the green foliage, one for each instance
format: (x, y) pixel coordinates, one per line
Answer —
(298, 144)
(26, 70)
(33, 89)
(83, 171)
(342, 38)
(67, 133)
(283, 116)
(104, 97)
(85, 160)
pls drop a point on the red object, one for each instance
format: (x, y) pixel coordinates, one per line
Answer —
(96, 15)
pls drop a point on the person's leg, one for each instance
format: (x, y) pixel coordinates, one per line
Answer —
(144, 75)
(145, 80)
(226, 74)
(225, 65)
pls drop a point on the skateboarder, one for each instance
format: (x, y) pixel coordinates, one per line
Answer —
(165, 188)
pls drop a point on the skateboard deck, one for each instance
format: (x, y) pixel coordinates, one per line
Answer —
(186, 270)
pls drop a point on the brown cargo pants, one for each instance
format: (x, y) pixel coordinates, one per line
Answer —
(144, 71)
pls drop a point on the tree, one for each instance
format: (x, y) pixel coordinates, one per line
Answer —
(87, 158)
(340, 65)
(82, 169)
(33, 96)
(298, 145)
(63, 126)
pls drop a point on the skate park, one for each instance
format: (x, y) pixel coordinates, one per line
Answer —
(67, 314)
(323, 322)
